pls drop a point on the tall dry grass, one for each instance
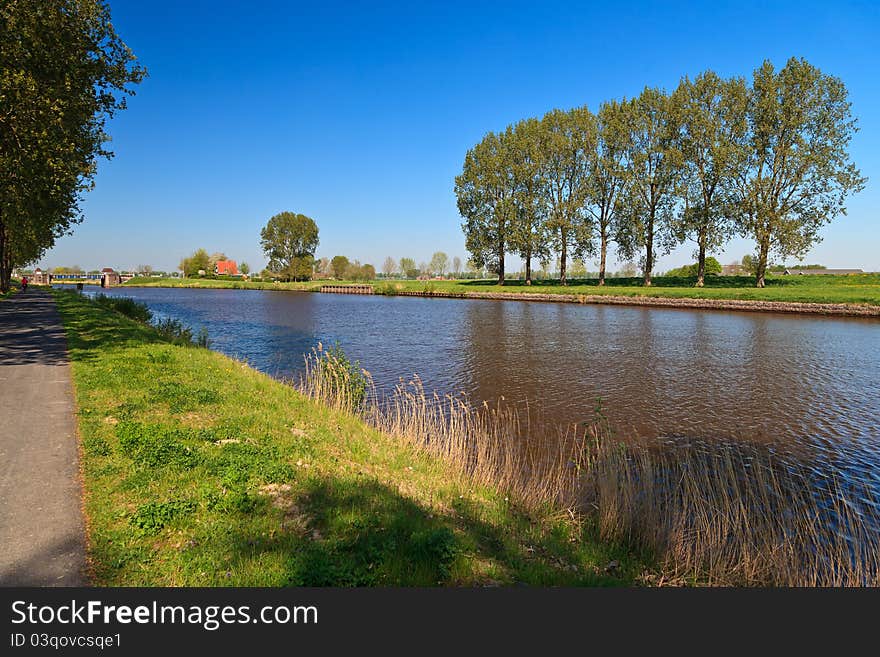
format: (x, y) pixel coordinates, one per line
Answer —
(714, 512)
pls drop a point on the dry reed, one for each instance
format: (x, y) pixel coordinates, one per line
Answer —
(712, 512)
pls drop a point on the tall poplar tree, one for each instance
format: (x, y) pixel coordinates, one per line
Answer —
(568, 144)
(529, 227)
(798, 171)
(711, 128)
(653, 168)
(607, 180)
(485, 192)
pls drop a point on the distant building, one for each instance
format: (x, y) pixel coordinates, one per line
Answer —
(41, 277)
(733, 270)
(110, 277)
(818, 272)
(226, 268)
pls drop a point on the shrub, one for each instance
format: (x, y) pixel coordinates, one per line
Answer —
(179, 333)
(333, 378)
(129, 307)
(712, 267)
(388, 289)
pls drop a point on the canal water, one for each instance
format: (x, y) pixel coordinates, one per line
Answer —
(804, 383)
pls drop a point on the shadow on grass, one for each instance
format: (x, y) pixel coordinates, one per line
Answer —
(340, 532)
(91, 329)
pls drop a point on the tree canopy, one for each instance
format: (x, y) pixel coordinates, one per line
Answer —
(439, 263)
(63, 73)
(198, 261)
(339, 266)
(797, 172)
(289, 241)
(716, 157)
(484, 192)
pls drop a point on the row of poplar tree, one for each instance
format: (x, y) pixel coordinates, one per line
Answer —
(716, 157)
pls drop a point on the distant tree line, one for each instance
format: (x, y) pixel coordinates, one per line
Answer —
(439, 265)
(716, 157)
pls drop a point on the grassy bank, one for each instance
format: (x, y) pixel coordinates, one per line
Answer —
(201, 471)
(215, 283)
(855, 289)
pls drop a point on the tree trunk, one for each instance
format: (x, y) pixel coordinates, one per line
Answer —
(761, 269)
(603, 252)
(529, 269)
(5, 264)
(501, 267)
(701, 259)
(562, 257)
(649, 254)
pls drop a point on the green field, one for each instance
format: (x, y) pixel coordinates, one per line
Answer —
(853, 289)
(198, 470)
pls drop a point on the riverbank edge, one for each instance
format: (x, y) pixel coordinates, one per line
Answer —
(108, 507)
(829, 309)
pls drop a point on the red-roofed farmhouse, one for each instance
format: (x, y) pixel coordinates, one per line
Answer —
(226, 267)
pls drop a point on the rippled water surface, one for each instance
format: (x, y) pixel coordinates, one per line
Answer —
(804, 382)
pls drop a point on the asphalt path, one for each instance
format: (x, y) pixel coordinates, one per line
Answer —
(42, 533)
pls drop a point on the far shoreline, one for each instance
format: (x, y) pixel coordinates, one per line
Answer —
(721, 299)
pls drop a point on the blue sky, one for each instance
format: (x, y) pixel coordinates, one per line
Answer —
(359, 115)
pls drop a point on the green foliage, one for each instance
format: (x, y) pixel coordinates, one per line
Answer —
(716, 157)
(347, 380)
(797, 172)
(129, 307)
(484, 192)
(64, 73)
(234, 499)
(713, 267)
(339, 266)
(528, 235)
(439, 263)
(653, 167)
(389, 289)
(568, 147)
(711, 114)
(198, 261)
(779, 268)
(358, 272)
(289, 241)
(408, 268)
(176, 331)
(607, 176)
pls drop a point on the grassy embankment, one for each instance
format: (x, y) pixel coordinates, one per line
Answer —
(201, 471)
(854, 289)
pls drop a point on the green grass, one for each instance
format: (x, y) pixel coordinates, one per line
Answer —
(854, 289)
(200, 471)
(217, 283)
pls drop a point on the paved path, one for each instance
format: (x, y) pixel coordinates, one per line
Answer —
(42, 535)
